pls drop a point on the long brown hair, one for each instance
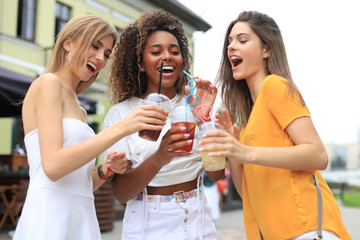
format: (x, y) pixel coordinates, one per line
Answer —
(235, 94)
(85, 30)
(126, 79)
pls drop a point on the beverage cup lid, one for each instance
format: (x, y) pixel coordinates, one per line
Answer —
(209, 126)
(182, 114)
(158, 99)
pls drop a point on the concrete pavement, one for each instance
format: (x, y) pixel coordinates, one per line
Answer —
(230, 226)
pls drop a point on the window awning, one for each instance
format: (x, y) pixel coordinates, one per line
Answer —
(13, 87)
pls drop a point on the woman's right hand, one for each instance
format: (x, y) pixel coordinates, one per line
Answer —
(169, 142)
(144, 117)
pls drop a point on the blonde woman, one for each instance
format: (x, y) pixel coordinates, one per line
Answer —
(61, 147)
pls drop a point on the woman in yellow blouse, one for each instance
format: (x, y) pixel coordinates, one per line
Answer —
(278, 152)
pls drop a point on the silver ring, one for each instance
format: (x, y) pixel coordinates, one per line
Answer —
(170, 149)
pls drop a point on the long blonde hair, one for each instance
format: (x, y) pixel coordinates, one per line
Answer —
(85, 30)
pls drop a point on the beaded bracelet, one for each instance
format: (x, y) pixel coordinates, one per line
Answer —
(105, 176)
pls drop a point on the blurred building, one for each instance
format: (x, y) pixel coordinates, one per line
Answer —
(343, 156)
(344, 164)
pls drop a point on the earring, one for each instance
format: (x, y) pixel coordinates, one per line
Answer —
(143, 70)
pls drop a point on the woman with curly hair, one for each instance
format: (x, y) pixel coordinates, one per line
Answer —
(163, 188)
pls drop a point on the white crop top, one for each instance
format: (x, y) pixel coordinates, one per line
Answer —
(179, 170)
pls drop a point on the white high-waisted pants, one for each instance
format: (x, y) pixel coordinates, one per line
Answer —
(169, 220)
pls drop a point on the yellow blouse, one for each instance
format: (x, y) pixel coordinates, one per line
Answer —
(281, 203)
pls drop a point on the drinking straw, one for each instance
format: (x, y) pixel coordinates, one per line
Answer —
(161, 69)
(200, 114)
(192, 89)
(202, 105)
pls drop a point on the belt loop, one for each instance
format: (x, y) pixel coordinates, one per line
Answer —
(158, 204)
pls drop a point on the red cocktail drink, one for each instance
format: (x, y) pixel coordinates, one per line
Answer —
(190, 129)
(151, 135)
(162, 101)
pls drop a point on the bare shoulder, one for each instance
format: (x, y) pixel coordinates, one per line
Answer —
(83, 114)
(46, 83)
(45, 80)
(45, 90)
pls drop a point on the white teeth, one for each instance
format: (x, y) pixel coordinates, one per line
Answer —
(92, 65)
(235, 58)
(167, 68)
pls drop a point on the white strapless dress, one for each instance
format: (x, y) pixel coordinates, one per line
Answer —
(61, 210)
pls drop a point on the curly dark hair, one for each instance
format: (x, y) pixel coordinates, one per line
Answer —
(126, 80)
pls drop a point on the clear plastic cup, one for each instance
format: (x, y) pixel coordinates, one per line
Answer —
(162, 101)
(211, 163)
(182, 116)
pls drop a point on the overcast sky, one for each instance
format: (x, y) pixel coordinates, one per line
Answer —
(322, 38)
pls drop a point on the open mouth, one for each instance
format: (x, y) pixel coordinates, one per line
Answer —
(167, 69)
(236, 61)
(92, 68)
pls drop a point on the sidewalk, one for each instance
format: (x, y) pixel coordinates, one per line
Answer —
(230, 226)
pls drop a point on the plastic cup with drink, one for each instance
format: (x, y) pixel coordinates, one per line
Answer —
(162, 101)
(211, 163)
(182, 116)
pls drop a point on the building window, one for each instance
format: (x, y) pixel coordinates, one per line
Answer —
(26, 19)
(339, 160)
(62, 14)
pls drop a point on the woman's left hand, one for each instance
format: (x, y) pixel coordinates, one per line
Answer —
(206, 92)
(117, 162)
(227, 124)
